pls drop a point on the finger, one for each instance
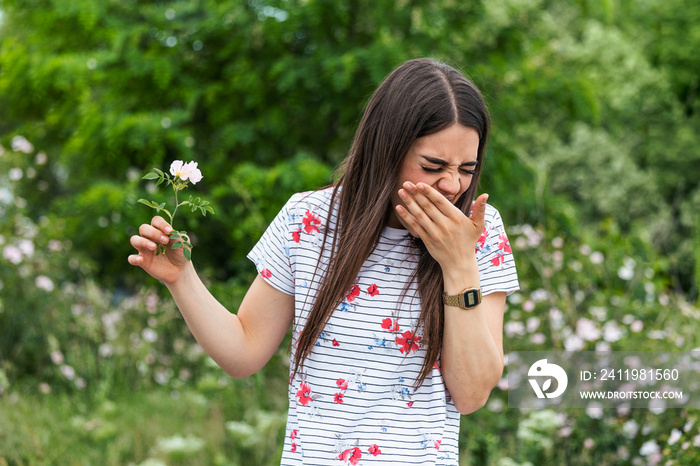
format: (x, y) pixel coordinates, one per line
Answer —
(433, 198)
(135, 259)
(479, 210)
(413, 208)
(410, 222)
(142, 245)
(154, 234)
(160, 223)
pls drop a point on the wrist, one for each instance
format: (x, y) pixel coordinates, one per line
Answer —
(182, 280)
(461, 275)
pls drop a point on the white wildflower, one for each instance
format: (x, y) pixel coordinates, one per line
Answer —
(674, 437)
(12, 254)
(648, 448)
(20, 144)
(597, 257)
(44, 282)
(68, 372)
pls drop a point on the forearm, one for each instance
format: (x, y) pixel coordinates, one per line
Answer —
(218, 331)
(471, 360)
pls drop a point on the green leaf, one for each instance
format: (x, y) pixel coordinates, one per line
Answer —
(209, 209)
(160, 181)
(175, 234)
(150, 176)
(160, 207)
(177, 245)
(159, 172)
(150, 204)
(187, 253)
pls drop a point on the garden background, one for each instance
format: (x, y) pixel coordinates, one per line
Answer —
(594, 165)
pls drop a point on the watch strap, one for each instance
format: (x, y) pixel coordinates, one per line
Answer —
(468, 298)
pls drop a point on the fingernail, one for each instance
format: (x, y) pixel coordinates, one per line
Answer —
(164, 239)
(402, 194)
(421, 187)
(151, 245)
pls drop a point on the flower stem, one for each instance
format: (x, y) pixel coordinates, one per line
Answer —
(176, 206)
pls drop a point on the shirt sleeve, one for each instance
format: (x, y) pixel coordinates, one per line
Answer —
(271, 254)
(495, 257)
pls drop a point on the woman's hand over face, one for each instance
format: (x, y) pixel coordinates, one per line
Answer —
(449, 235)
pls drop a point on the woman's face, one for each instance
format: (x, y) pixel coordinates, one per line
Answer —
(444, 160)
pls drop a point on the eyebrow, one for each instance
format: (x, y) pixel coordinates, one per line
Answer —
(444, 163)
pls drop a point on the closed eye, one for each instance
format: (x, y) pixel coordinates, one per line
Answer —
(439, 169)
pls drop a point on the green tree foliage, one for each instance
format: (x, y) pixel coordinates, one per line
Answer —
(593, 103)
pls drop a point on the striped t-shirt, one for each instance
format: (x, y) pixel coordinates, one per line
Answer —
(354, 402)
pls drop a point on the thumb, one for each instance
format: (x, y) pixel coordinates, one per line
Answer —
(479, 210)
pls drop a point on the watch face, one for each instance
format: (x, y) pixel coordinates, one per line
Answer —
(471, 298)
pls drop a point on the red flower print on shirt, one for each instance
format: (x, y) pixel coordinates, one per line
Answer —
(294, 448)
(373, 290)
(311, 222)
(342, 384)
(498, 260)
(409, 404)
(374, 449)
(294, 434)
(408, 342)
(390, 325)
(296, 235)
(338, 398)
(354, 293)
(351, 455)
(503, 243)
(335, 342)
(266, 273)
(437, 444)
(304, 394)
(482, 240)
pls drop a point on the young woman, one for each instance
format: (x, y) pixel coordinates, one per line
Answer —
(393, 281)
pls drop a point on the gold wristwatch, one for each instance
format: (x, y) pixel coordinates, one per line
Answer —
(468, 298)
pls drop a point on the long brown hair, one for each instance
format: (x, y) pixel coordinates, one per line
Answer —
(419, 98)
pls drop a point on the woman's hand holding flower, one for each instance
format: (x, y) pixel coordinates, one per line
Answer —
(170, 265)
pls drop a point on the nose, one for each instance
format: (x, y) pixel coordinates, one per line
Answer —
(449, 184)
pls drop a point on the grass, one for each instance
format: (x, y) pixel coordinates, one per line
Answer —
(142, 427)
